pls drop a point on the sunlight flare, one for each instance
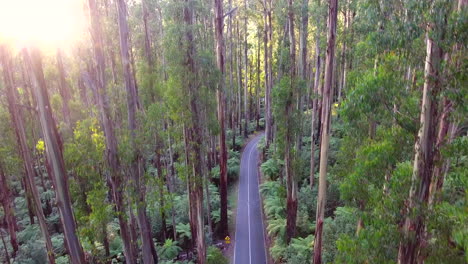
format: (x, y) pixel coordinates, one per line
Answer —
(45, 23)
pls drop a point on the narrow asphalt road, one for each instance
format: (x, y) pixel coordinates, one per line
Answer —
(249, 241)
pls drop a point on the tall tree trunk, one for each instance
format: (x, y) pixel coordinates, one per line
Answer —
(257, 87)
(171, 182)
(268, 70)
(325, 130)
(55, 157)
(8, 211)
(342, 83)
(246, 78)
(133, 226)
(291, 206)
(312, 139)
(303, 40)
(206, 159)
(148, 249)
(239, 79)
(29, 202)
(112, 158)
(219, 25)
(105, 243)
(24, 150)
(425, 149)
(315, 102)
(230, 94)
(159, 169)
(194, 138)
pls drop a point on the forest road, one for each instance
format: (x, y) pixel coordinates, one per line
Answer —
(249, 239)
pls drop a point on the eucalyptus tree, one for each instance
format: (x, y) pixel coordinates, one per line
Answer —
(18, 124)
(220, 54)
(291, 181)
(193, 135)
(316, 96)
(54, 155)
(148, 250)
(116, 177)
(325, 129)
(430, 139)
(268, 62)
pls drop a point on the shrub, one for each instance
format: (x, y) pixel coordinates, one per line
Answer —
(233, 165)
(215, 256)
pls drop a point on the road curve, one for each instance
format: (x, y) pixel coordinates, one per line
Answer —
(249, 247)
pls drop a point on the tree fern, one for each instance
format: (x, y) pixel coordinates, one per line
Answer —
(278, 250)
(277, 227)
(169, 250)
(271, 169)
(274, 207)
(184, 231)
(303, 245)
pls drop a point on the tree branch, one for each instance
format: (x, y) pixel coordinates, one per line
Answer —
(230, 12)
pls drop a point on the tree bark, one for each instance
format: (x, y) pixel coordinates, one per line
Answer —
(219, 25)
(148, 249)
(55, 156)
(325, 130)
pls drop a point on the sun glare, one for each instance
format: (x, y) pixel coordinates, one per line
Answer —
(44, 23)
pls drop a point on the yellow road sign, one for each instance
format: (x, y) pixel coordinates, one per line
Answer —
(227, 239)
